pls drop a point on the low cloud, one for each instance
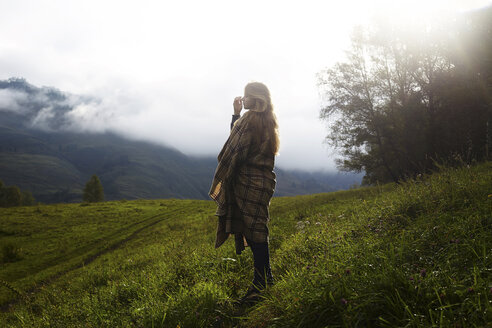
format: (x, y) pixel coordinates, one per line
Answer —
(10, 99)
(50, 109)
(162, 115)
(42, 108)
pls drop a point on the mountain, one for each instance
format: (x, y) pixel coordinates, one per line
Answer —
(40, 151)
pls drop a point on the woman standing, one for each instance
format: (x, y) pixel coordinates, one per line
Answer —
(244, 181)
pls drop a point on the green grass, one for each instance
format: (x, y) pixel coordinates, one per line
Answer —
(414, 255)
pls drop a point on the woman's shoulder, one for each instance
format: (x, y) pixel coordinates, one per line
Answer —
(244, 120)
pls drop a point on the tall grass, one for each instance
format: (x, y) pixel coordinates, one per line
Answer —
(412, 255)
(416, 257)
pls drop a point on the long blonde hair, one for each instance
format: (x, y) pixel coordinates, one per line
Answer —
(263, 118)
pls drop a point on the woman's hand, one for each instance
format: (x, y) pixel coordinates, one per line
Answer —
(238, 105)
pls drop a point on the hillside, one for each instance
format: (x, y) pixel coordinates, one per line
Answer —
(41, 152)
(417, 254)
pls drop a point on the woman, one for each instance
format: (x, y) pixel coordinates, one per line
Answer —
(244, 181)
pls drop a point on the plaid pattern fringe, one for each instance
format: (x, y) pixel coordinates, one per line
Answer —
(243, 186)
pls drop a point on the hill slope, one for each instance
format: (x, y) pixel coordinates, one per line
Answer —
(411, 255)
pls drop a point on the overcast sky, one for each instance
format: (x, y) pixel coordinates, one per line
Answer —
(167, 71)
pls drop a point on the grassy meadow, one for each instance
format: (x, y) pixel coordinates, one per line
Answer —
(417, 254)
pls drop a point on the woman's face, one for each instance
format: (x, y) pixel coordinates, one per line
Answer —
(248, 102)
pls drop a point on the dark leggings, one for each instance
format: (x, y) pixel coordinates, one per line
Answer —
(263, 272)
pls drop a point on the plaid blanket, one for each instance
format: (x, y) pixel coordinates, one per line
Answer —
(243, 186)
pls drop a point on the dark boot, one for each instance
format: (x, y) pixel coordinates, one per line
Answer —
(262, 270)
(251, 297)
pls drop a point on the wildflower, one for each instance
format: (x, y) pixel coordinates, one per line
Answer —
(411, 278)
(423, 272)
(471, 290)
(347, 272)
(343, 301)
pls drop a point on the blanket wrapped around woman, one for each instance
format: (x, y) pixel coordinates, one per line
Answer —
(243, 185)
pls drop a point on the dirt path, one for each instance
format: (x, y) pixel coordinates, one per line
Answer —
(151, 221)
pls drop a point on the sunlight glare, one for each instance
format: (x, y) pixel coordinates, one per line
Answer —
(409, 11)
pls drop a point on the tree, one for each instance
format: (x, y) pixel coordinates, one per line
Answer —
(13, 196)
(10, 196)
(362, 97)
(27, 198)
(403, 101)
(93, 191)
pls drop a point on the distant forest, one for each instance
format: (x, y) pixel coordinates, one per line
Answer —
(408, 99)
